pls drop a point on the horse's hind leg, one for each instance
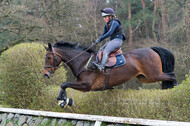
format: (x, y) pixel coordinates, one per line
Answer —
(171, 83)
(168, 80)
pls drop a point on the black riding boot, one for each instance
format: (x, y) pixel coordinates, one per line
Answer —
(103, 62)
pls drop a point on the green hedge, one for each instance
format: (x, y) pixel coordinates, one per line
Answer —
(21, 73)
(172, 104)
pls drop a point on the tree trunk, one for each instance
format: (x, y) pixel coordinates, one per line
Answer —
(93, 7)
(187, 21)
(145, 21)
(153, 22)
(163, 33)
(130, 28)
(44, 5)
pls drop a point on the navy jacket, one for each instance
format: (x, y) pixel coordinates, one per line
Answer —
(113, 30)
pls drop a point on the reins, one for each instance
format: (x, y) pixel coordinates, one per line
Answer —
(79, 54)
(65, 63)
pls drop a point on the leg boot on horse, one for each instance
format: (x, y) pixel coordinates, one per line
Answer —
(62, 98)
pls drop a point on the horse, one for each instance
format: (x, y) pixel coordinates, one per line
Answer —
(148, 65)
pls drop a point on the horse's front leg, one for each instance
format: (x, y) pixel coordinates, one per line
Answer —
(62, 97)
(84, 86)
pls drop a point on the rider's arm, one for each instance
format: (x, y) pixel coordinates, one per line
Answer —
(104, 32)
(114, 24)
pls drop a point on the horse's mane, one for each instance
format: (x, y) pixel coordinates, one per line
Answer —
(73, 45)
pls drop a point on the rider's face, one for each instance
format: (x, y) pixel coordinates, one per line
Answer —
(106, 19)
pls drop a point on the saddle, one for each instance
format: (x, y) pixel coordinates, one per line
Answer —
(115, 58)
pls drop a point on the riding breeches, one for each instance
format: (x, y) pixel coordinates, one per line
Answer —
(111, 45)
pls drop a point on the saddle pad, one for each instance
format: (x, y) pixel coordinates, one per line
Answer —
(113, 62)
(120, 60)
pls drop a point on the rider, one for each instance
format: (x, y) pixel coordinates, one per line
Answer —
(114, 30)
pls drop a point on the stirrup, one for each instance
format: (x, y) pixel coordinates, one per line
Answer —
(100, 68)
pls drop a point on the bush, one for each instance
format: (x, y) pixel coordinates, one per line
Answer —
(172, 104)
(21, 73)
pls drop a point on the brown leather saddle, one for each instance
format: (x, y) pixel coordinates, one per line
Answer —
(111, 57)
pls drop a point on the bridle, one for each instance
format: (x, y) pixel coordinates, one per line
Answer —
(54, 59)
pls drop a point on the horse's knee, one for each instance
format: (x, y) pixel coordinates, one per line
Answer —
(64, 85)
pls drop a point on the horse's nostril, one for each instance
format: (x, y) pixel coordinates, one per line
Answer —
(46, 76)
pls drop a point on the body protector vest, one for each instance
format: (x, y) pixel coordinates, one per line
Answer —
(118, 30)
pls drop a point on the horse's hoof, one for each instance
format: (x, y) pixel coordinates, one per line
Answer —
(64, 103)
(70, 101)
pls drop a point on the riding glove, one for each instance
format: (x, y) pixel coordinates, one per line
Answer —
(97, 41)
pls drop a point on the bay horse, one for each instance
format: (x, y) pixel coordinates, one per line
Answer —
(148, 65)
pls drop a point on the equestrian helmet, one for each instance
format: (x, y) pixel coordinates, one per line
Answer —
(108, 12)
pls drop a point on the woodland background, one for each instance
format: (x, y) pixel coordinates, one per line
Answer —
(26, 25)
(146, 23)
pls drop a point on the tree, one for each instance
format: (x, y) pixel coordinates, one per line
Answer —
(163, 30)
(145, 20)
(130, 28)
(187, 21)
(153, 20)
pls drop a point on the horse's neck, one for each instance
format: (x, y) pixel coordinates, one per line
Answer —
(77, 64)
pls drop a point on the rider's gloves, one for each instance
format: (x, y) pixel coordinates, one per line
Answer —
(97, 41)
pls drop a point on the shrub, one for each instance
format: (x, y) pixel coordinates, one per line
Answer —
(21, 73)
(172, 104)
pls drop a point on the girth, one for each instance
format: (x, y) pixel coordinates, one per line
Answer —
(106, 80)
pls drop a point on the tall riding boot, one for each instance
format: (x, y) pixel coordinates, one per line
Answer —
(103, 62)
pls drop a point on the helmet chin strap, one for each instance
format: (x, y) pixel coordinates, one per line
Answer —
(110, 18)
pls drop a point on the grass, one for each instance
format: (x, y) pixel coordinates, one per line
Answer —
(4, 106)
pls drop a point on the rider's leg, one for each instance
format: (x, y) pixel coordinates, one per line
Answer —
(109, 47)
(103, 62)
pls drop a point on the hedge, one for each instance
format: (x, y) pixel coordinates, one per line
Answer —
(21, 73)
(172, 104)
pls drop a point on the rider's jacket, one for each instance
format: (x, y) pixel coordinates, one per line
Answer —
(113, 29)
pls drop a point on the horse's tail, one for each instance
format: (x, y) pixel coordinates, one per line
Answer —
(168, 62)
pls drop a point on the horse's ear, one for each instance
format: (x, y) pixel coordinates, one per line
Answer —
(49, 47)
(46, 48)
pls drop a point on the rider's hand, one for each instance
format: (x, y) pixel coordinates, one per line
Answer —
(97, 41)
(93, 44)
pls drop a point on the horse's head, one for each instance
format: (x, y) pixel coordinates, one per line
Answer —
(52, 61)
